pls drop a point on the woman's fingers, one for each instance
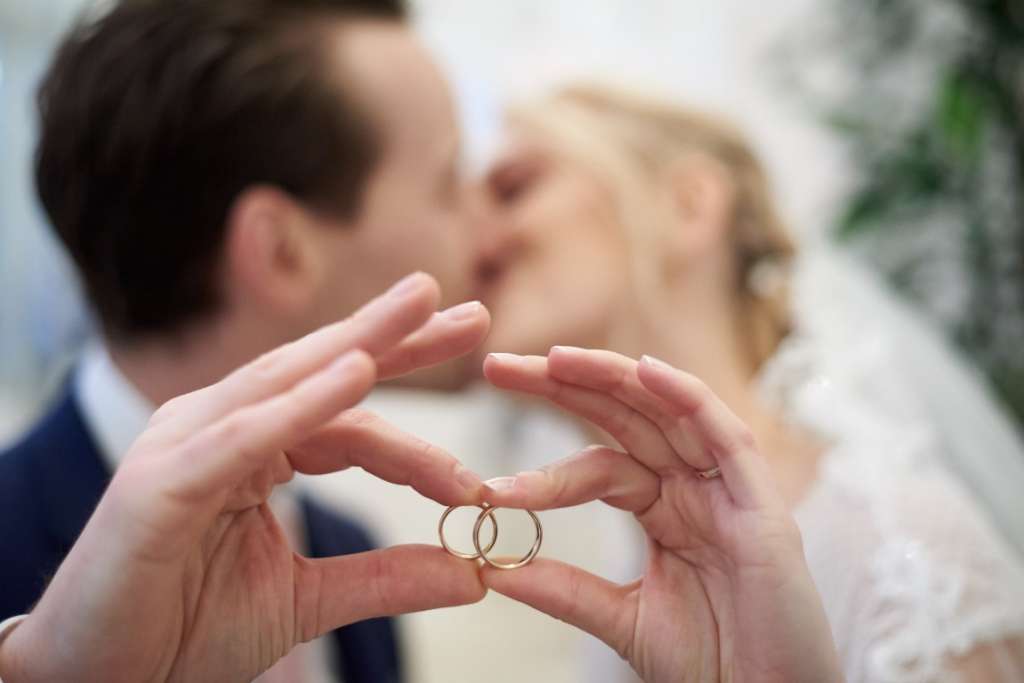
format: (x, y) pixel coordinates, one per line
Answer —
(615, 374)
(359, 438)
(744, 471)
(375, 328)
(596, 473)
(448, 334)
(337, 591)
(694, 425)
(224, 453)
(637, 434)
(598, 606)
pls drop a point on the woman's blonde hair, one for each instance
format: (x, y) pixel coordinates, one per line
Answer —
(632, 141)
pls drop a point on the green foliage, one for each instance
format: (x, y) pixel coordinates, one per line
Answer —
(935, 125)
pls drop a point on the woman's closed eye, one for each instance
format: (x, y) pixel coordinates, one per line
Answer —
(510, 180)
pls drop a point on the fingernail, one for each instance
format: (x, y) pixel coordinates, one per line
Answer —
(500, 483)
(564, 349)
(407, 284)
(469, 479)
(655, 363)
(465, 311)
(507, 358)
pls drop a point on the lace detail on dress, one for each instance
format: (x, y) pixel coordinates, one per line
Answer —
(911, 572)
(914, 603)
(937, 596)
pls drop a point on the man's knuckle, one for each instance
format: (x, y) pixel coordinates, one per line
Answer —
(168, 410)
(431, 453)
(232, 428)
(381, 583)
(267, 364)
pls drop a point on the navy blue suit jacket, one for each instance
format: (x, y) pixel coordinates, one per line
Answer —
(52, 480)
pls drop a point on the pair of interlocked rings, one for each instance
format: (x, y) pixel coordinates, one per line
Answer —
(487, 513)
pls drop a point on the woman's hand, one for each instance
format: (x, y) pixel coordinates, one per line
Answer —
(184, 574)
(726, 594)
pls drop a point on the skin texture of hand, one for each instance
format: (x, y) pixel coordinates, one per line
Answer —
(184, 574)
(726, 594)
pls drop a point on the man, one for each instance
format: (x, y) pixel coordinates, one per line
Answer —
(227, 176)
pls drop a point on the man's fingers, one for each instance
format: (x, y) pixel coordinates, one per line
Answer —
(449, 334)
(235, 446)
(337, 591)
(744, 471)
(374, 328)
(598, 606)
(596, 473)
(638, 435)
(358, 438)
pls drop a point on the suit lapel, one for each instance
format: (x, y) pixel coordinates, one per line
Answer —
(74, 476)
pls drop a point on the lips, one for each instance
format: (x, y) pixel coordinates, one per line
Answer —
(489, 278)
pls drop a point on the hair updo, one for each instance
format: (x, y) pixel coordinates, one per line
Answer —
(632, 140)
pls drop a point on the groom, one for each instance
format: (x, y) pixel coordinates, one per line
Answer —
(228, 175)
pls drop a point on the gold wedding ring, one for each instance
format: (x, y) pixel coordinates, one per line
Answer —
(476, 534)
(487, 513)
(526, 559)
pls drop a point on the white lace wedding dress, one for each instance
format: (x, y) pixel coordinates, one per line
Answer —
(914, 545)
(914, 526)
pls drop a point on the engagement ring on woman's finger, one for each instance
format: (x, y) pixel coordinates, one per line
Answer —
(710, 474)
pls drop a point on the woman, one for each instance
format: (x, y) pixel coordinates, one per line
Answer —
(624, 223)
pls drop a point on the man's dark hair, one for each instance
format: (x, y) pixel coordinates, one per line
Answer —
(158, 114)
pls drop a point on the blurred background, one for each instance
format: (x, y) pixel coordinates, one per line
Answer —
(893, 126)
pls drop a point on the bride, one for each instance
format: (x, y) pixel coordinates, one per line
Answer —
(618, 222)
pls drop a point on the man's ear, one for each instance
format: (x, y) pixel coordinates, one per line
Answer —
(702, 196)
(269, 258)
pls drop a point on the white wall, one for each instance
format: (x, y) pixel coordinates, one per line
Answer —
(40, 310)
(715, 55)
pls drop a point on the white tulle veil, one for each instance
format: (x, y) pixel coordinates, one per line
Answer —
(862, 365)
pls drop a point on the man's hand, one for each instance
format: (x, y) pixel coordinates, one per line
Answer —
(726, 595)
(184, 574)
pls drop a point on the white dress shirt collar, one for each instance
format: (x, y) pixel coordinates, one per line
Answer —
(115, 412)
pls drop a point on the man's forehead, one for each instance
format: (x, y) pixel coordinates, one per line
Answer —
(389, 71)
